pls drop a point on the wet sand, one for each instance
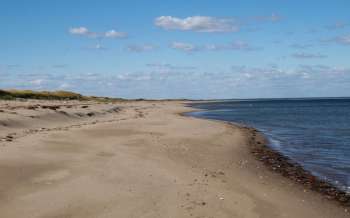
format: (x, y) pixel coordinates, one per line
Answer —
(137, 159)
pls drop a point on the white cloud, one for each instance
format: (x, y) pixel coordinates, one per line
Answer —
(345, 40)
(97, 46)
(341, 40)
(274, 17)
(64, 86)
(197, 23)
(248, 75)
(115, 34)
(336, 26)
(37, 82)
(211, 24)
(140, 48)
(324, 72)
(83, 31)
(163, 66)
(303, 55)
(187, 47)
(79, 31)
(236, 45)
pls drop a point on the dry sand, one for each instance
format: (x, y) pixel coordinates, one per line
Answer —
(137, 159)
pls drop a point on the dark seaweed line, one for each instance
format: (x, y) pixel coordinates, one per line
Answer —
(283, 165)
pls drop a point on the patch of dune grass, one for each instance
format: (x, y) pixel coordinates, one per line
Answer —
(53, 95)
(45, 95)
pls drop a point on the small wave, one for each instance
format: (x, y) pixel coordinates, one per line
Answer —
(274, 143)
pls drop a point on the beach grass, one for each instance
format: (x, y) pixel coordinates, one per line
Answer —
(44, 95)
(14, 94)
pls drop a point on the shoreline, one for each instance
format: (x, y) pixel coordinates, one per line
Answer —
(283, 165)
(138, 159)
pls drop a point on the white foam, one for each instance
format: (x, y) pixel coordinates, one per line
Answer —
(274, 143)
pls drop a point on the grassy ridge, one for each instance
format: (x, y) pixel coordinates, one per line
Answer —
(54, 95)
(44, 95)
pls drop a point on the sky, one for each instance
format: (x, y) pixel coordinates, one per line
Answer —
(177, 49)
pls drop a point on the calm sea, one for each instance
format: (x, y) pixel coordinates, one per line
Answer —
(313, 132)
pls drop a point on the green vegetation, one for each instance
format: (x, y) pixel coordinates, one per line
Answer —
(105, 99)
(55, 95)
(44, 95)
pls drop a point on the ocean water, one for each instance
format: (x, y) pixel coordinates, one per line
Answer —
(312, 132)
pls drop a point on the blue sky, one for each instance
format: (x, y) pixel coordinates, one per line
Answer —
(177, 49)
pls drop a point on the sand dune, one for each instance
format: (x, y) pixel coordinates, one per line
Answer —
(137, 159)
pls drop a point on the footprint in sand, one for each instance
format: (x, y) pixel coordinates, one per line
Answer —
(105, 154)
(52, 177)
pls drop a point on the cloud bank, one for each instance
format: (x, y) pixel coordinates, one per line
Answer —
(159, 80)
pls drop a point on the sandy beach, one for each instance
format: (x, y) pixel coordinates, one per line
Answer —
(137, 159)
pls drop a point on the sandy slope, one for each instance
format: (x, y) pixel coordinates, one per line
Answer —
(142, 161)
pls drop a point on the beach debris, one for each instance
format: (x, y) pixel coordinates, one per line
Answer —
(63, 112)
(79, 114)
(90, 114)
(221, 173)
(51, 107)
(242, 163)
(8, 138)
(32, 107)
(114, 109)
